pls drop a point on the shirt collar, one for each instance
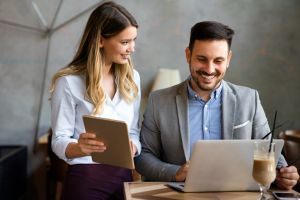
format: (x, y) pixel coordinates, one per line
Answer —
(214, 95)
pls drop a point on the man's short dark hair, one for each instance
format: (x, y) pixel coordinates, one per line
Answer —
(210, 30)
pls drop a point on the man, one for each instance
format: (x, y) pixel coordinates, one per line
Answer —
(202, 107)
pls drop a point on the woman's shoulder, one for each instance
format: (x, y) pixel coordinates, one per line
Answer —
(74, 84)
(71, 78)
(136, 76)
(136, 73)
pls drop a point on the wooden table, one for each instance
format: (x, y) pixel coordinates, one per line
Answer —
(158, 190)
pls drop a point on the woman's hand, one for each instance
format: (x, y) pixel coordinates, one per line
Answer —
(133, 148)
(88, 143)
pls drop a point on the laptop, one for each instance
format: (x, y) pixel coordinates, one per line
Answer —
(222, 165)
(114, 134)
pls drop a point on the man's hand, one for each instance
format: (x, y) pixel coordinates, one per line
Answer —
(287, 177)
(181, 173)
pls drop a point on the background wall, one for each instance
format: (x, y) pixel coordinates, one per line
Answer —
(266, 48)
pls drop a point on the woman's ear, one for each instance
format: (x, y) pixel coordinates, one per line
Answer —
(101, 42)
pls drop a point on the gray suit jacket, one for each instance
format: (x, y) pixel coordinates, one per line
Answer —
(165, 129)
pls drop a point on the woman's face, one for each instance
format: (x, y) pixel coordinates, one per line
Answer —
(117, 49)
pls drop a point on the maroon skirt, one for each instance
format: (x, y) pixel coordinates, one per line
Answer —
(95, 181)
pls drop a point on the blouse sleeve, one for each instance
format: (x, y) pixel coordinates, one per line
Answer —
(62, 117)
(135, 126)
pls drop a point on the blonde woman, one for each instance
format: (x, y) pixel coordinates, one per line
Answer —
(99, 81)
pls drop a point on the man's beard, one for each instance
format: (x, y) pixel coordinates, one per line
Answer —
(203, 74)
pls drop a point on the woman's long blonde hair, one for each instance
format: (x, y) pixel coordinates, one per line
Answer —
(108, 20)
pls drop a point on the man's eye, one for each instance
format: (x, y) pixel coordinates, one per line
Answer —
(124, 42)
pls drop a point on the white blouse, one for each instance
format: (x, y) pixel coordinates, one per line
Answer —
(68, 105)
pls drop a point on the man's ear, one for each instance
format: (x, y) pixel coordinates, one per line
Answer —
(229, 58)
(188, 55)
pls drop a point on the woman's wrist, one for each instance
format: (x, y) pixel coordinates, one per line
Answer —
(74, 151)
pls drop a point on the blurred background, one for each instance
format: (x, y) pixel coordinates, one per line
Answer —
(39, 37)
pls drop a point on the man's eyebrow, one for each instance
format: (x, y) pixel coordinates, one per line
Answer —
(220, 58)
(200, 56)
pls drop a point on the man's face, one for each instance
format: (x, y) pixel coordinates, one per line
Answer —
(208, 63)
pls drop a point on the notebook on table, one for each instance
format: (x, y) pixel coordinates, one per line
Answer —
(222, 165)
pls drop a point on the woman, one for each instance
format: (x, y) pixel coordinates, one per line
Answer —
(100, 81)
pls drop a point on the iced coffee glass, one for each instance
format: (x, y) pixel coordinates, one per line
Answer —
(264, 169)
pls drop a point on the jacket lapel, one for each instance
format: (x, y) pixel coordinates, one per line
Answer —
(228, 112)
(182, 109)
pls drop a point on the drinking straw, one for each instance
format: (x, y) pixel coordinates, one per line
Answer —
(273, 129)
(276, 127)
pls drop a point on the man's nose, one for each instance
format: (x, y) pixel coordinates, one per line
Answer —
(210, 68)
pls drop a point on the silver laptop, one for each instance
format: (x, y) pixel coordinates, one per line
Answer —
(222, 165)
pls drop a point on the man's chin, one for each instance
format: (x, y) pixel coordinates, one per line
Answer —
(207, 87)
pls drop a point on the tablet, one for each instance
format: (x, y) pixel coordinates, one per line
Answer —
(115, 136)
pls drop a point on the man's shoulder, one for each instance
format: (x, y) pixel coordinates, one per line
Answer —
(170, 91)
(237, 89)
